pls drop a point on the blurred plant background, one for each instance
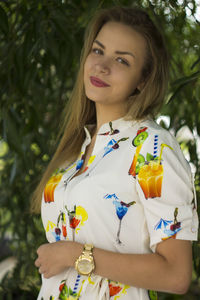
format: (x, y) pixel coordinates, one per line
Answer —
(40, 44)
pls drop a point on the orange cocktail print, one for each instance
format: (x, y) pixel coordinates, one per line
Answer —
(150, 179)
(150, 176)
(50, 187)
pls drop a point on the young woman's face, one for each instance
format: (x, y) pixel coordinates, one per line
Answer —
(113, 68)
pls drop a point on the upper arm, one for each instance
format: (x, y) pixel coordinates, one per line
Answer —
(178, 254)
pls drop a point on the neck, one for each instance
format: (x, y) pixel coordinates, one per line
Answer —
(107, 114)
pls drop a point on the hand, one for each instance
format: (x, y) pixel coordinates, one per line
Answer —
(53, 258)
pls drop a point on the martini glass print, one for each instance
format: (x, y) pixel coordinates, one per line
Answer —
(121, 210)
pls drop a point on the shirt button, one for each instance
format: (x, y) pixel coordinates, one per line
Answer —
(193, 229)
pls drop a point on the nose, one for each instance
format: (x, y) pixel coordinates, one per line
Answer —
(103, 66)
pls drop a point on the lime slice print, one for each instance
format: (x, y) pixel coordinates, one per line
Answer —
(140, 163)
(139, 139)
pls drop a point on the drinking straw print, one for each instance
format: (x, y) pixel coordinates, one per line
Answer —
(155, 148)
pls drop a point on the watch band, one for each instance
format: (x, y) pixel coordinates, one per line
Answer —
(87, 249)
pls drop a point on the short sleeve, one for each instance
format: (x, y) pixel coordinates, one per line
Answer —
(165, 187)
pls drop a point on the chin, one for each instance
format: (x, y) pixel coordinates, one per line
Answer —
(95, 98)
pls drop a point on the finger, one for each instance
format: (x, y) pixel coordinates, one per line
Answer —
(42, 247)
(37, 263)
(38, 250)
(41, 270)
(47, 275)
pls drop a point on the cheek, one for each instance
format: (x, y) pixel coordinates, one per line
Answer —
(88, 64)
(133, 81)
(123, 78)
(126, 83)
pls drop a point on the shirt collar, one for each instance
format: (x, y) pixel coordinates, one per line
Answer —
(109, 127)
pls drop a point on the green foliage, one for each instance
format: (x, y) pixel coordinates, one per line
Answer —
(40, 45)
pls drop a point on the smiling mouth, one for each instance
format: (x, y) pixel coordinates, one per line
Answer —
(97, 82)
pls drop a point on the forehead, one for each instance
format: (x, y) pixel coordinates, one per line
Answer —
(122, 37)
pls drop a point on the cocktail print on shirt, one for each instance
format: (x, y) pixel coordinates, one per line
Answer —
(52, 184)
(77, 218)
(54, 181)
(113, 145)
(116, 289)
(66, 292)
(111, 132)
(149, 171)
(121, 210)
(169, 227)
(81, 161)
(61, 229)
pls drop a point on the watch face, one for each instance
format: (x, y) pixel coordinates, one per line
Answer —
(85, 266)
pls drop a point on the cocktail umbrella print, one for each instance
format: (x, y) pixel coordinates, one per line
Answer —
(170, 230)
(162, 223)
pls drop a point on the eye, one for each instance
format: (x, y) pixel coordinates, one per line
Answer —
(122, 61)
(97, 51)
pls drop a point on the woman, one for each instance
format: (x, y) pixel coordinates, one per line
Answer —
(119, 211)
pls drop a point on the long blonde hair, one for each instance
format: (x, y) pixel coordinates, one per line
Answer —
(80, 111)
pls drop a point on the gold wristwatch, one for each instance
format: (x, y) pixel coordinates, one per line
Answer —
(85, 263)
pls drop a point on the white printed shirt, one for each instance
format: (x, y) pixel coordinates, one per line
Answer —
(136, 191)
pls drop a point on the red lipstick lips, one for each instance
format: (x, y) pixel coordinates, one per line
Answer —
(97, 82)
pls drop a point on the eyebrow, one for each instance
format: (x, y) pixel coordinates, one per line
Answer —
(117, 52)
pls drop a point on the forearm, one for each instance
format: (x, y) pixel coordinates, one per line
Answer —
(149, 271)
